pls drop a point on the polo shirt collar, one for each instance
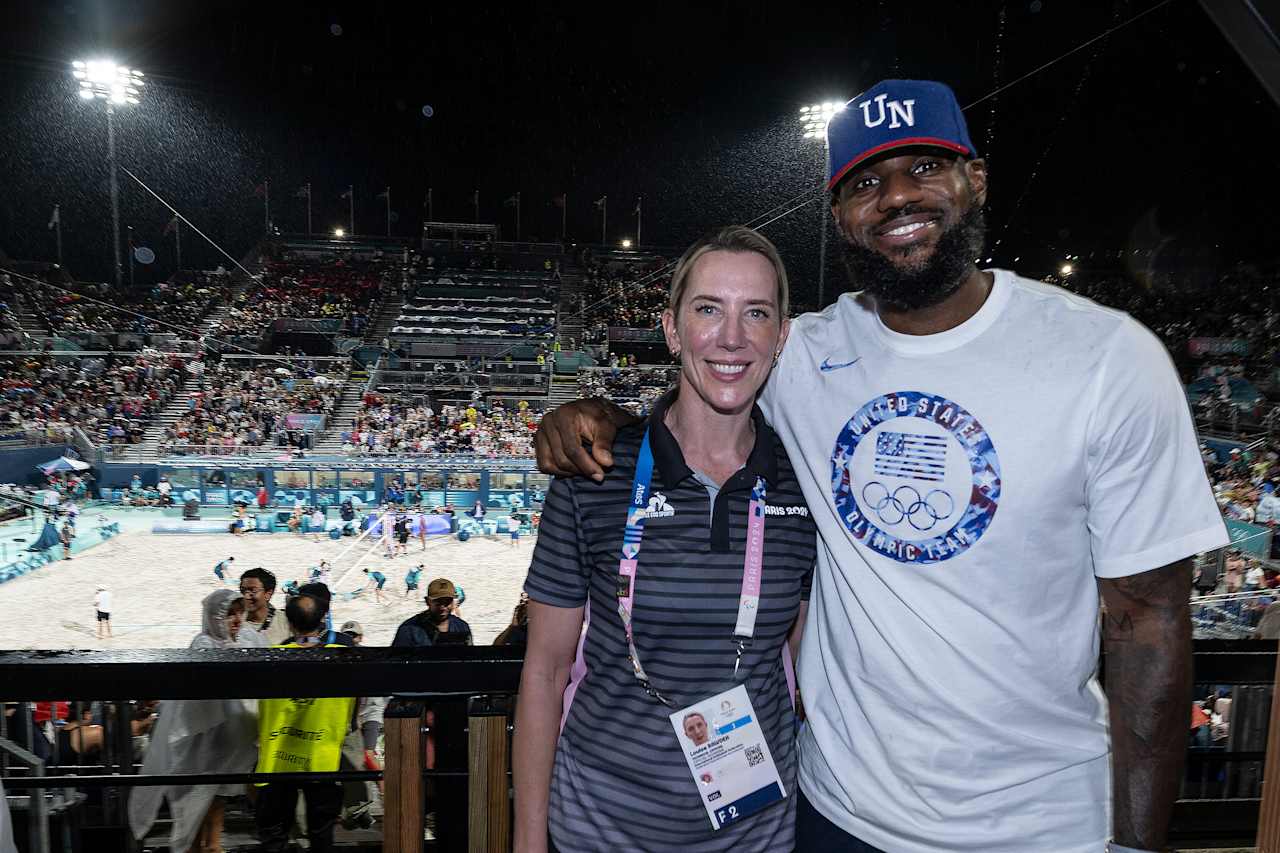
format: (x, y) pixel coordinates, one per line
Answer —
(762, 461)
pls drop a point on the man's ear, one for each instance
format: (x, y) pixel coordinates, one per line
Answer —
(976, 172)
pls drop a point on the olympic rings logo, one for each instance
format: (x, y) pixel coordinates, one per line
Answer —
(905, 503)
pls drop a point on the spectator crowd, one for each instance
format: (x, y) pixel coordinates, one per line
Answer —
(385, 426)
(339, 289)
(238, 405)
(110, 398)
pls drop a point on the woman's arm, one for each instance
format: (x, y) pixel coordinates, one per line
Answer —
(553, 641)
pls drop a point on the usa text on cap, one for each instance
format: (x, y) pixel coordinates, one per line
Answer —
(892, 114)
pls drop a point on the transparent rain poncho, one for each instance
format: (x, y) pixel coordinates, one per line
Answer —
(198, 736)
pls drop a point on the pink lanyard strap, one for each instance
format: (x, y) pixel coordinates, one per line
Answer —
(633, 537)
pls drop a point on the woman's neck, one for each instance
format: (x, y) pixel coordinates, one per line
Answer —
(713, 443)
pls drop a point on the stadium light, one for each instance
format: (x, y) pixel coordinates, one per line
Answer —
(1066, 269)
(102, 78)
(118, 86)
(814, 119)
(338, 232)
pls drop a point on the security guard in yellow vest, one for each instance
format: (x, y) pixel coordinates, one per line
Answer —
(301, 735)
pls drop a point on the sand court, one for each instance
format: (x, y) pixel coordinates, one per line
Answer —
(158, 582)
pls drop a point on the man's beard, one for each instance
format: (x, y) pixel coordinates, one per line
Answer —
(916, 286)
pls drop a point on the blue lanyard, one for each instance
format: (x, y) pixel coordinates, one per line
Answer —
(633, 537)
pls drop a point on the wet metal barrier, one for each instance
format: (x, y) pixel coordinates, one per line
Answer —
(484, 677)
(1223, 798)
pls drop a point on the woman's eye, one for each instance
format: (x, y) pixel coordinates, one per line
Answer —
(758, 314)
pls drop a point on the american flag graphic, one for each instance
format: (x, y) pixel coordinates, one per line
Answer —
(911, 456)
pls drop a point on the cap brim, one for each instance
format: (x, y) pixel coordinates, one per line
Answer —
(929, 141)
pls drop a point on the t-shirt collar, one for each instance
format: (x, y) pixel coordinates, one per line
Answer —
(762, 461)
(954, 338)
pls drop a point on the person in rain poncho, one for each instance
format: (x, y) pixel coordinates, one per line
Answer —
(204, 736)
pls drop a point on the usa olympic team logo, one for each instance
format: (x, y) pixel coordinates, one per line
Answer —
(915, 477)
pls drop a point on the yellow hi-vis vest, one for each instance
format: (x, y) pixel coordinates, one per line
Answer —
(300, 735)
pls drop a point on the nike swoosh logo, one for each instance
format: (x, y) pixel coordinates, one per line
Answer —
(827, 366)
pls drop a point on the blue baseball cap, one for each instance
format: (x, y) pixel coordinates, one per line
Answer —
(892, 114)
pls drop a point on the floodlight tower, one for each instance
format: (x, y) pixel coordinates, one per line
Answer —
(813, 119)
(117, 86)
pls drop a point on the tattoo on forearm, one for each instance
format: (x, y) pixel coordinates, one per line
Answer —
(1147, 632)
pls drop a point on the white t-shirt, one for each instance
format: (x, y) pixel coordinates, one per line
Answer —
(102, 601)
(969, 487)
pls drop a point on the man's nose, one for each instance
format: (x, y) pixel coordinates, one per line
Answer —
(898, 189)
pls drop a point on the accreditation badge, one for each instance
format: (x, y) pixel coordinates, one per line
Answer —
(728, 756)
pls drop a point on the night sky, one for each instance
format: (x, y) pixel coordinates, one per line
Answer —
(1156, 136)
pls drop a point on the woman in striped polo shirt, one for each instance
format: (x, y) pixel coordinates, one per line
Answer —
(646, 614)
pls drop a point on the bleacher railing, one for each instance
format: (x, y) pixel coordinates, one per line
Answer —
(483, 675)
(1228, 814)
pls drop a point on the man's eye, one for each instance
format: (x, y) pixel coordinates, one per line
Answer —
(927, 166)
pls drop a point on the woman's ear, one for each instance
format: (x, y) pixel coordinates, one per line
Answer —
(670, 333)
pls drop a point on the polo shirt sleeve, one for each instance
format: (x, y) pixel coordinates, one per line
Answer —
(1148, 499)
(559, 573)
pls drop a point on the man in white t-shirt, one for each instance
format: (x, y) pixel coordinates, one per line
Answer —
(989, 460)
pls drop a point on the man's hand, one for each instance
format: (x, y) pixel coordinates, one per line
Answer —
(563, 436)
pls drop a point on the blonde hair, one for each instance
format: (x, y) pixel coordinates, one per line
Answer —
(730, 238)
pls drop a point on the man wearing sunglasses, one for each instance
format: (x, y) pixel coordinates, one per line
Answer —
(435, 626)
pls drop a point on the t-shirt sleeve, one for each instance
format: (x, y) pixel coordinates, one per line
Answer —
(1149, 501)
(559, 573)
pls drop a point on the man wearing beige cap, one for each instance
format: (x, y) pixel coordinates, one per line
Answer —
(435, 626)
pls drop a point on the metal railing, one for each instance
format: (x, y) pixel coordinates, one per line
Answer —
(480, 674)
(482, 671)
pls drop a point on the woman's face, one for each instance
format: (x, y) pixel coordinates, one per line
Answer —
(235, 618)
(728, 329)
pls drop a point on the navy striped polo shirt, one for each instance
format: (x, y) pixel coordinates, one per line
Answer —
(620, 780)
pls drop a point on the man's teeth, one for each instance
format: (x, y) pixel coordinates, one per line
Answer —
(903, 230)
(728, 369)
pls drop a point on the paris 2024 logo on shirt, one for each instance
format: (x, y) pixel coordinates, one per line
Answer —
(915, 477)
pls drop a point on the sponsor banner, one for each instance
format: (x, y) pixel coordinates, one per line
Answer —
(1200, 347)
(327, 327)
(1253, 539)
(304, 421)
(633, 335)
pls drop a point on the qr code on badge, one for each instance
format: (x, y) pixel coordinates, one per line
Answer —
(755, 755)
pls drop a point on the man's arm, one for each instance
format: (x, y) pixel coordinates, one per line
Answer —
(564, 432)
(1147, 638)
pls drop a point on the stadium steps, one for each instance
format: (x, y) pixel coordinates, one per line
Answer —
(386, 318)
(563, 390)
(148, 448)
(330, 441)
(570, 324)
(27, 319)
(217, 315)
